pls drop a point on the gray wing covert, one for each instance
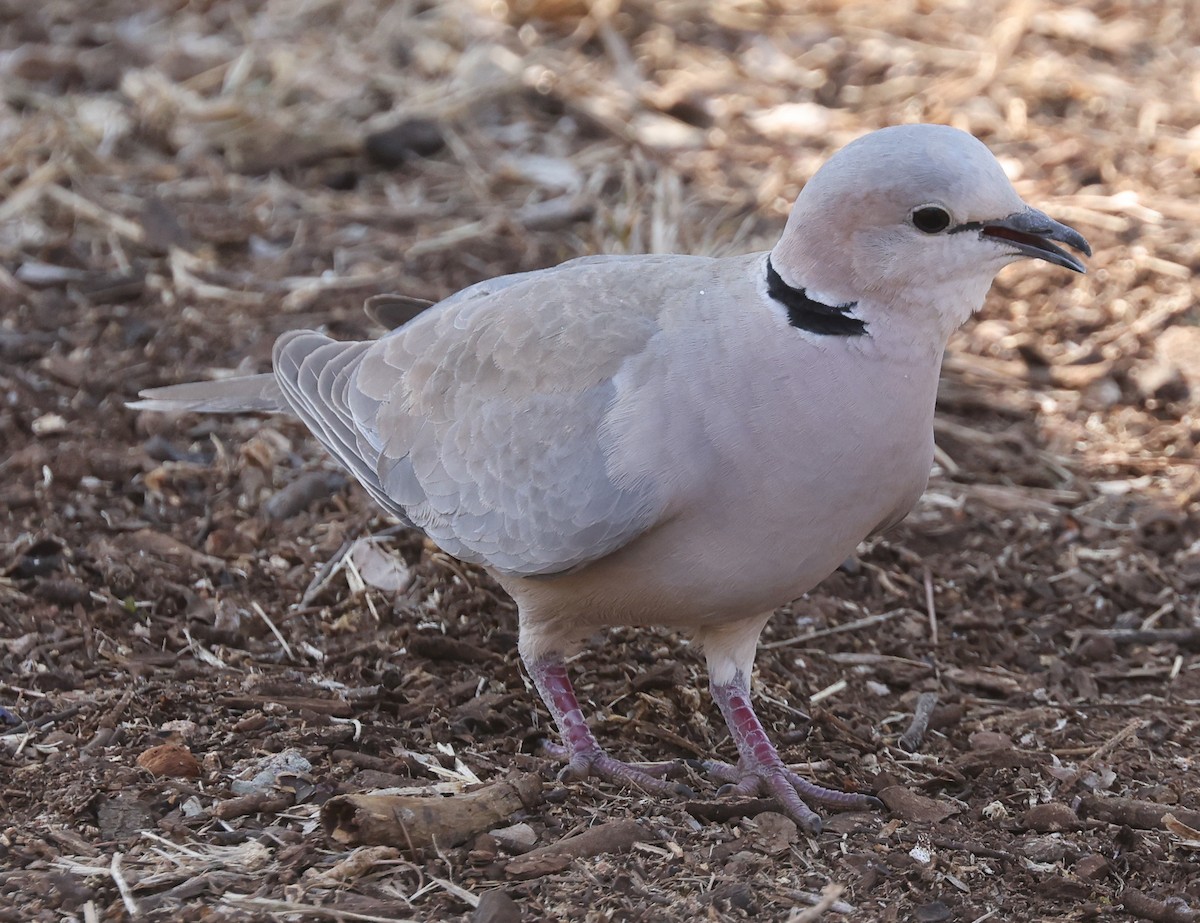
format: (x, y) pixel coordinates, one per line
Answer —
(481, 422)
(497, 284)
(488, 419)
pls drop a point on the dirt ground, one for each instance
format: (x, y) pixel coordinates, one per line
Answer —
(182, 181)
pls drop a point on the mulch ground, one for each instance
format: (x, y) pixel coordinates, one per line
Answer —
(202, 648)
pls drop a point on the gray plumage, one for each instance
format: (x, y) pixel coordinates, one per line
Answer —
(668, 439)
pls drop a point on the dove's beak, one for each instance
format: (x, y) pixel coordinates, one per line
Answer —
(1030, 232)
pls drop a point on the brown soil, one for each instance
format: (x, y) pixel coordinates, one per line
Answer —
(183, 181)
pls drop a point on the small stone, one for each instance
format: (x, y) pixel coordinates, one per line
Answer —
(192, 807)
(172, 760)
(1054, 817)
(742, 864)
(517, 838)
(496, 907)
(1091, 867)
(485, 848)
(990, 740)
(405, 141)
(1097, 649)
(736, 894)
(182, 729)
(50, 424)
(1044, 849)
(265, 772)
(933, 912)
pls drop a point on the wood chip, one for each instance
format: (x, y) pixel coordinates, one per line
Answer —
(908, 805)
(614, 836)
(418, 821)
(1136, 813)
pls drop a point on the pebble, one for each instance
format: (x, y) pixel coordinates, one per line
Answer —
(1092, 867)
(172, 760)
(405, 141)
(1044, 849)
(496, 907)
(516, 838)
(990, 740)
(1050, 818)
(268, 770)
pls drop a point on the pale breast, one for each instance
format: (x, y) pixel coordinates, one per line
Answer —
(782, 453)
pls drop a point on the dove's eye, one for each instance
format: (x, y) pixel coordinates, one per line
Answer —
(930, 219)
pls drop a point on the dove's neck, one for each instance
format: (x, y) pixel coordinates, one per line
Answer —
(810, 313)
(832, 300)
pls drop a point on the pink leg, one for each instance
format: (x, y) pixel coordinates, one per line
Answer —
(584, 755)
(760, 767)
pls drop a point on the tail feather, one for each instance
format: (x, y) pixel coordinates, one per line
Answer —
(314, 377)
(248, 394)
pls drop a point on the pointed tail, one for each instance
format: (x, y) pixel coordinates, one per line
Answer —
(249, 394)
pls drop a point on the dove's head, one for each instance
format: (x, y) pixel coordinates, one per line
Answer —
(913, 223)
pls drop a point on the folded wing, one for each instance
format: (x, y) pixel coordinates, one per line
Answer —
(482, 422)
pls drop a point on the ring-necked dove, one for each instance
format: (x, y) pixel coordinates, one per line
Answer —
(676, 440)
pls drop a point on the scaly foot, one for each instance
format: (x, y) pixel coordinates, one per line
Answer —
(761, 771)
(585, 758)
(649, 777)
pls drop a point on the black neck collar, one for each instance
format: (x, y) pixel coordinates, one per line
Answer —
(813, 316)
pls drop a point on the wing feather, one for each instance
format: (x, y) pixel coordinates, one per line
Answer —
(482, 421)
(313, 372)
